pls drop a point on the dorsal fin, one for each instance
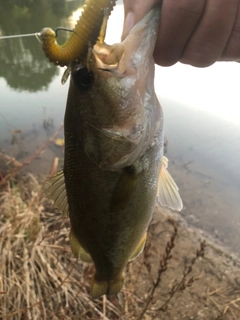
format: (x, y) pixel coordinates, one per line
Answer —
(56, 191)
(168, 194)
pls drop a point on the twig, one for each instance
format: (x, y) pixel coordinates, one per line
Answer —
(163, 264)
(53, 170)
(216, 291)
(104, 307)
(228, 306)
(184, 283)
(11, 159)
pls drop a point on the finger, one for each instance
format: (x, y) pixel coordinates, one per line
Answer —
(208, 41)
(179, 18)
(232, 49)
(134, 11)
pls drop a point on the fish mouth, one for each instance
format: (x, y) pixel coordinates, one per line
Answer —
(134, 51)
(102, 69)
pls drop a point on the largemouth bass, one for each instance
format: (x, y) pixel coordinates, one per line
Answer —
(114, 169)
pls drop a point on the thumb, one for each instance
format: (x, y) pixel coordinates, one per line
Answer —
(134, 11)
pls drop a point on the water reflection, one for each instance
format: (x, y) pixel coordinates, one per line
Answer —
(23, 64)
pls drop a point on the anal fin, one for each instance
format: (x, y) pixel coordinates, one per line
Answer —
(78, 250)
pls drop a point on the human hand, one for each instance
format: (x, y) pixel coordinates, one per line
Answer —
(196, 32)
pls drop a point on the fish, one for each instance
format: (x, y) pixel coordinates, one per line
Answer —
(114, 170)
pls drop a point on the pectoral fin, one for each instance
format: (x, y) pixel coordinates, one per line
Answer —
(124, 188)
(168, 194)
(56, 191)
(139, 249)
(78, 250)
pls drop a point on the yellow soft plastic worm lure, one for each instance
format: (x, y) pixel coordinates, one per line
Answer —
(85, 34)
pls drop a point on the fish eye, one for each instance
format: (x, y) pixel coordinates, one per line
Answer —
(83, 78)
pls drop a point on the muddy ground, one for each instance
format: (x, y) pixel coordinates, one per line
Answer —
(215, 290)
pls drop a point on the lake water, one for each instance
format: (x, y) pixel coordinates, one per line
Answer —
(201, 107)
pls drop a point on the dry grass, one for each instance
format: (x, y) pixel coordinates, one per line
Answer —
(40, 278)
(37, 271)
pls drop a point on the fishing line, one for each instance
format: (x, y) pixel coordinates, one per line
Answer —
(36, 34)
(20, 35)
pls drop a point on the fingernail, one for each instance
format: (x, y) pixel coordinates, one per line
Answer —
(128, 24)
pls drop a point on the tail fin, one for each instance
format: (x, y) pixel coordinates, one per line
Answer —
(99, 288)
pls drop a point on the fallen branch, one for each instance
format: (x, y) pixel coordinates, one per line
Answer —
(10, 159)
